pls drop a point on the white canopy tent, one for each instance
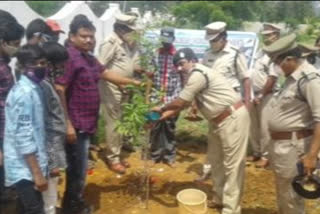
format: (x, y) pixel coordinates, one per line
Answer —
(19, 9)
(69, 11)
(108, 18)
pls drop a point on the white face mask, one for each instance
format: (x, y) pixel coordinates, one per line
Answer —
(277, 69)
(216, 46)
(9, 50)
(129, 38)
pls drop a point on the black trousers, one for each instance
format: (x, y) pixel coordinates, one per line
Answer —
(29, 200)
(162, 139)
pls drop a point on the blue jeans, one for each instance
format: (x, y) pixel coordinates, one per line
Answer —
(77, 160)
(29, 200)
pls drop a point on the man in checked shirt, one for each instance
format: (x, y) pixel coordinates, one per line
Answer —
(168, 80)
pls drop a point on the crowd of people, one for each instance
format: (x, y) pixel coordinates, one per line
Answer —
(50, 100)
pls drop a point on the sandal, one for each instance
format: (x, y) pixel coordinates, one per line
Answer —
(214, 205)
(126, 164)
(118, 168)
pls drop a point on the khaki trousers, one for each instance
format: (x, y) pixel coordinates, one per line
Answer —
(284, 156)
(227, 145)
(112, 100)
(254, 135)
(259, 133)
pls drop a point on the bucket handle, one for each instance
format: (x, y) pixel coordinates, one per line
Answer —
(201, 212)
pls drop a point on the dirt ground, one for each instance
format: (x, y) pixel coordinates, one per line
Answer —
(110, 193)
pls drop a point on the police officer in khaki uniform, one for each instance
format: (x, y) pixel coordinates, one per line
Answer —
(294, 121)
(311, 53)
(118, 53)
(231, 63)
(227, 59)
(229, 126)
(264, 83)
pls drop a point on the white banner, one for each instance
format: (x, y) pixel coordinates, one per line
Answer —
(246, 41)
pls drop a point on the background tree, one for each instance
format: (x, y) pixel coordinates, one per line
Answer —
(196, 14)
(200, 13)
(46, 8)
(99, 7)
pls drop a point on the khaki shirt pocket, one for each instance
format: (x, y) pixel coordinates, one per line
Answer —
(287, 100)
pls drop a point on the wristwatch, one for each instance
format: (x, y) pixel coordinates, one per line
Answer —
(260, 96)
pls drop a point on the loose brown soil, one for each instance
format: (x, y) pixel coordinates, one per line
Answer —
(110, 193)
(114, 194)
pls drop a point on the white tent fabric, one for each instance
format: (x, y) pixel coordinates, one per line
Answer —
(147, 18)
(104, 24)
(19, 9)
(69, 11)
(108, 18)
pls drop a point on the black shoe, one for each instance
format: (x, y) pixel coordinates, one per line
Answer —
(128, 148)
(203, 178)
(76, 207)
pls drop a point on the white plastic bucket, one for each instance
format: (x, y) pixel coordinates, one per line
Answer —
(192, 201)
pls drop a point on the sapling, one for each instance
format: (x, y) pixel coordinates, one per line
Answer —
(134, 123)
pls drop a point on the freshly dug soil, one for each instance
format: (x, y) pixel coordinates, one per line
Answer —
(110, 193)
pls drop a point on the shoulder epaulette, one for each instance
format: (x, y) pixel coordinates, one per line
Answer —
(310, 76)
(204, 74)
(112, 40)
(235, 49)
(306, 77)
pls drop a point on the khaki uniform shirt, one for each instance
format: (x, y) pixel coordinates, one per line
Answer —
(224, 61)
(115, 55)
(291, 110)
(263, 68)
(211, 100)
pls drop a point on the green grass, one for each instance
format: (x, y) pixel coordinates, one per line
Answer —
(191, 131)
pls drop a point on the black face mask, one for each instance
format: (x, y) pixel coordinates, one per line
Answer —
(36, 74)
(54, 38)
